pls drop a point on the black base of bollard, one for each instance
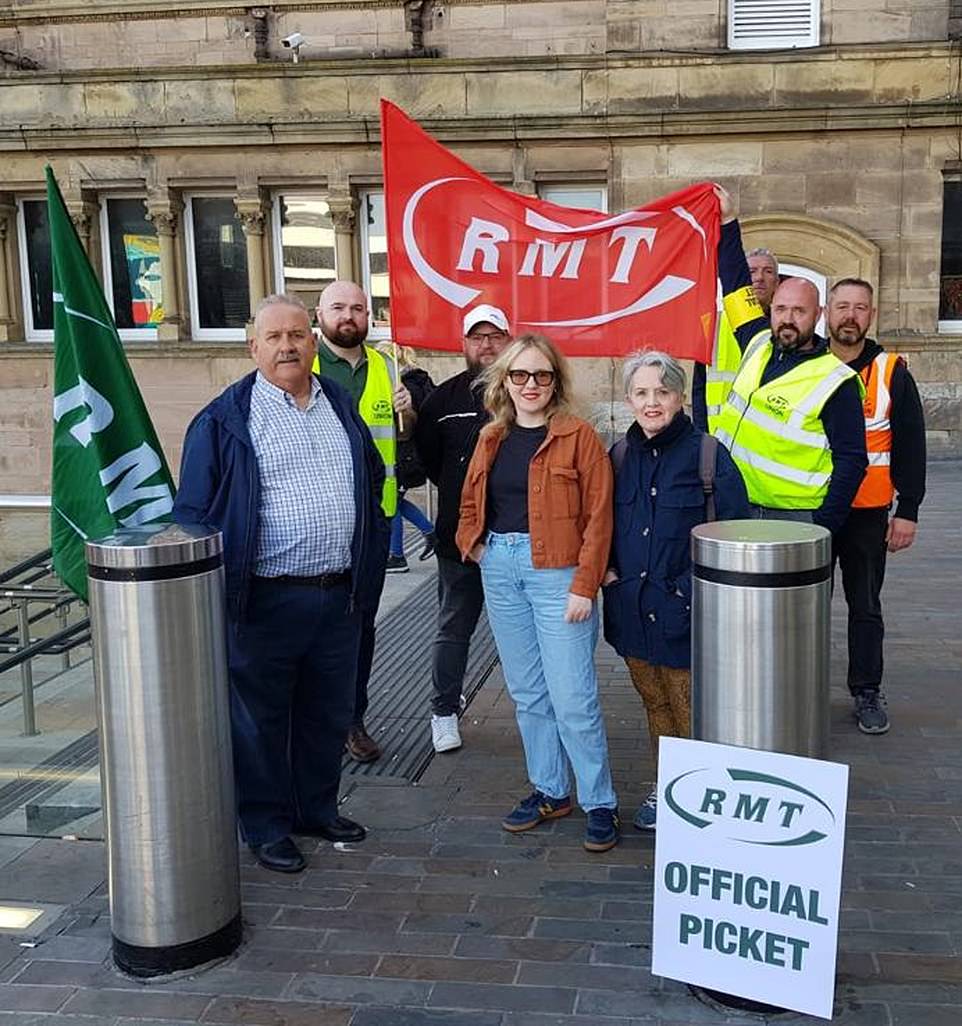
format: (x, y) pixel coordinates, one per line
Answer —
(741, 1004)
(146, 962)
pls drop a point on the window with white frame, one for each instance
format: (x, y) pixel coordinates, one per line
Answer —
(217, 281)
(304, 254)
(773, 24)
(374, 261)
(131, 260)
(585, 197)
(950, 291)
(36, 278)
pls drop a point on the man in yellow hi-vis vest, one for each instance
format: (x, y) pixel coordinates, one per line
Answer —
(711, 383)
(793, 420)
(342, 356)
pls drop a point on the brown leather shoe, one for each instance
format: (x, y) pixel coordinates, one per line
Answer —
(361, 746)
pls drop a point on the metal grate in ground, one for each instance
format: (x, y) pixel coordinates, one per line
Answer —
(38, 785)
(399, 715)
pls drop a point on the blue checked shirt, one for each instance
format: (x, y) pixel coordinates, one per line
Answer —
(306, 516)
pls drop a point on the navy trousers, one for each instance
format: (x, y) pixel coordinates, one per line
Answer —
(292, 667)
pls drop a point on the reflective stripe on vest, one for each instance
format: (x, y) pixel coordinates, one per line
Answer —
(376, 409)
(877, 488)
(720, 374)
(774, 431)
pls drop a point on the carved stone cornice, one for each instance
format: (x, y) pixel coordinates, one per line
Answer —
(163, 211)
(343, 211)
(252, 220)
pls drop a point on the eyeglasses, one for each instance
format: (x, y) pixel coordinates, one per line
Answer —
(480, 337)
(522, 377)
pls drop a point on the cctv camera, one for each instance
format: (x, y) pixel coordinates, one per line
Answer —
(293, 41)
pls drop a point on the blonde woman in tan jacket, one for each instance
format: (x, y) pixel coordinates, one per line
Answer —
(536, 516)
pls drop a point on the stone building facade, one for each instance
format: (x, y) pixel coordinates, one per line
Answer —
(204, 166)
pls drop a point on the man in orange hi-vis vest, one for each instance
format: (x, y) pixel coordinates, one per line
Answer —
(895, 440)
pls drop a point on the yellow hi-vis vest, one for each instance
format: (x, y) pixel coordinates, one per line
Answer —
(720, 373)
(376, 409)
(774, 431)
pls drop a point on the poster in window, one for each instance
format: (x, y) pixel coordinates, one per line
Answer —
(143, 272)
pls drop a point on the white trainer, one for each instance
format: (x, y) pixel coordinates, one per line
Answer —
(445, 733)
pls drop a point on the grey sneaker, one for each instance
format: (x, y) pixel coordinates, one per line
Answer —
(870, 711)
(647, 811)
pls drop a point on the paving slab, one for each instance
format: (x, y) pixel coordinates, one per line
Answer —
(442, 919)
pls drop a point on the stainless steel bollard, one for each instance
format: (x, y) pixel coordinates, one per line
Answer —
(160, 665)
(760, 635)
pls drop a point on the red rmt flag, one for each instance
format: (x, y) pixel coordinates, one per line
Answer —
(596, 284)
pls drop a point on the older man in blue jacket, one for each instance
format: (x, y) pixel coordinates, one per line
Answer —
(281, 463)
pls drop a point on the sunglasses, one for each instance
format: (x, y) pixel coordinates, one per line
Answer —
(522, 377)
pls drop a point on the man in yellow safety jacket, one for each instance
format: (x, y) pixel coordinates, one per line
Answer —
(342, 356)
(793, 419)
(711, 383)
(895, 438)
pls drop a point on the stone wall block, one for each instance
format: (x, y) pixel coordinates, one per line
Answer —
(832, 189)
(630, 90)
(437, 95)
(137, 101)
(868, 25)
(211, 100)
(726, 86)
(925, 78)
(478, 18)
(524, 92)
(824, 82)
(291, 97)
(709, 160)
(41, 105)
(770, 192)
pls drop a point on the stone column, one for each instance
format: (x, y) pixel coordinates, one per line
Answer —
(253, 217)
(519, 173)
(8, 211)
(343, 208)
(84, 212)
(163, 212)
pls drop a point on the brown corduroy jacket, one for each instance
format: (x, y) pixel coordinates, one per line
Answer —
(569, 500)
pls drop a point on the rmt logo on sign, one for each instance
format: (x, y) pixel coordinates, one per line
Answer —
(761, 809)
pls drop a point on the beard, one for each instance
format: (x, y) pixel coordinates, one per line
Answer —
(848, 333)
(345, 335)
(789, 336)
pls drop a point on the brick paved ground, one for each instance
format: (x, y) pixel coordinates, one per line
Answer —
(441, 919)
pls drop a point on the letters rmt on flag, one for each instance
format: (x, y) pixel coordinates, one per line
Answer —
(597, 284)
(108, 468)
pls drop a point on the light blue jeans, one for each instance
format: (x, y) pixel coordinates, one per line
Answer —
(550, 672)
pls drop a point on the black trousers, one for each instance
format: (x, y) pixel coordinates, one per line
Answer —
(859, 549)
(291, 699)
(460, 598)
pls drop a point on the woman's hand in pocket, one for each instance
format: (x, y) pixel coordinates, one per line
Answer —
(579, 608)
(477, 552)
(610, 577)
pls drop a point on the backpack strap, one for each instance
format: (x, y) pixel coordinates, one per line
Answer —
(618, 452)
(706, 471)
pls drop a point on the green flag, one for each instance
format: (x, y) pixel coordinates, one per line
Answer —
(108, 468)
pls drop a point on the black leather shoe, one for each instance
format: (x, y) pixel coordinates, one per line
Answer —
(281, 856)
(339, 829)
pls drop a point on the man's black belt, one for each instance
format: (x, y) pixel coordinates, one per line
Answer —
(314, 581)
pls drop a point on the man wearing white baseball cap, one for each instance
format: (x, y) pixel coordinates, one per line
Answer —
(447, 430)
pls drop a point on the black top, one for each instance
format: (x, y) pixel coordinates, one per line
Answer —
(445, 435)
(508, 480)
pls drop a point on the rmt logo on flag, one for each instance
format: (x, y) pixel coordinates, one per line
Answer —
(599, 285)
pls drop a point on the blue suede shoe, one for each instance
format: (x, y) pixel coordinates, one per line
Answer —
(602, 830)
(535, 809)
